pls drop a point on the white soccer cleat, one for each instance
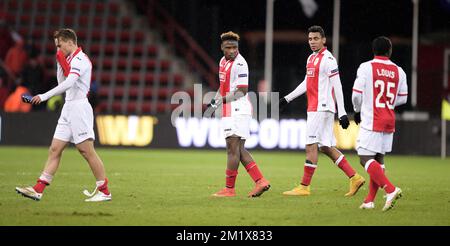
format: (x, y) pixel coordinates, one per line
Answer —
(391, 198)
(99, 197)
(29, 192)
(369, 205)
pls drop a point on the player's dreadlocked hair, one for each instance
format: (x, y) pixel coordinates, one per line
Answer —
(229, 36)
(318, 29)
(65, 34)
(381, 46)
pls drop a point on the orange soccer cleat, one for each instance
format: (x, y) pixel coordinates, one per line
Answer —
(225, 192)
(261, 186)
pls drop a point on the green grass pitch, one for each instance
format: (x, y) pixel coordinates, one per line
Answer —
(174, 187)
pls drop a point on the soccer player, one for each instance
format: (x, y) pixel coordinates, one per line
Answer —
(379, 87)
(323, 90)
(236, 116)
(76, 121)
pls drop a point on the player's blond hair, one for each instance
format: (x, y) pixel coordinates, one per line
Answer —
(229, 36)
(65, 34)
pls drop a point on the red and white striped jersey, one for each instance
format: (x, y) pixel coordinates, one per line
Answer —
(78, 82)
(382, 85)
(320, 67)
(233, 74)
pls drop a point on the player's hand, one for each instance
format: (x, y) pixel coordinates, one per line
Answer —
(343, 121)
(357, 118)
(282, 104)
(212, 104)
(36, 100)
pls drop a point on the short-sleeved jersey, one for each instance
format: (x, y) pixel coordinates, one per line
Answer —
(79, 65)
(380, 81)
(320, 67)
(233, 74)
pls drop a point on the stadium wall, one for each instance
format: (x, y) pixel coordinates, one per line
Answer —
(146, 131)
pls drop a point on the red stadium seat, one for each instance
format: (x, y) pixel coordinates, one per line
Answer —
(85, 7)
(71, 7)
(114, 8)
(13, 5)
(25, 20)
(42, 6)
(139, 36)
(39, 20)
(27, 6)
(69, 21)
(94, 50)
(83, 21)
(126, 23)
(56, 7)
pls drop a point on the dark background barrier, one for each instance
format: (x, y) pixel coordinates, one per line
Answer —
(36, 129)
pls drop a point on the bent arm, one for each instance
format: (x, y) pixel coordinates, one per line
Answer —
(62, 87)
(300, 90)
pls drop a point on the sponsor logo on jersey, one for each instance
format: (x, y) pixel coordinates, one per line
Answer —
(76, 69)
(222, 76)
(335, 70)
(243, 75)
(81, 134)
(240, 64)
(310, 72)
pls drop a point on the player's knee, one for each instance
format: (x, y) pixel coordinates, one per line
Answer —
(325, 149)
(54, 151)
(84, 152)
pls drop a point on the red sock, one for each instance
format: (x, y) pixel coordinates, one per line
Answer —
(343, 164)
(376, 173)
(308, 173)
(104, 187)
(230, 179)
(253, 170)
(40, 186)
(373, 188)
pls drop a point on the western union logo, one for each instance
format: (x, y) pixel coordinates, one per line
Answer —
(125, 130)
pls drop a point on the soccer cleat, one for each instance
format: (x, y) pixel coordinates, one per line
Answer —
(356, 182)
(99, 197)
(29, 192)
(225, 192)
(391, 198)
(300, 190)
(369, 205)
(261, 186)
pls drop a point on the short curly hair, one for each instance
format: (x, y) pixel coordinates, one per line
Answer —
(381, 46)
(229, 36)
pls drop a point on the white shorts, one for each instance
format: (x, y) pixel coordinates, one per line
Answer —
(371, 142)
(319, 129)
(76, 122)
(238, 125)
